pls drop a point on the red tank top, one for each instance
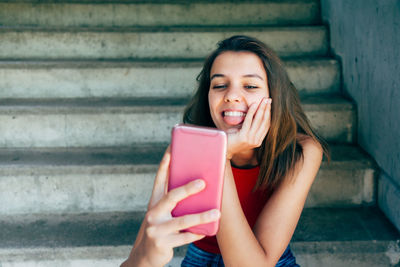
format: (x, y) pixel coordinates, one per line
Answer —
(252, 203)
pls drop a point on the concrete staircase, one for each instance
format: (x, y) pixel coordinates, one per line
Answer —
(89, 91)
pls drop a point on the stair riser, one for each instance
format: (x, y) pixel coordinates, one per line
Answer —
(121, 128)
(158, 14)
(107, 256)
(127, 44)
(343, 186)
(123, 189)
(75, 193)
(20, 81)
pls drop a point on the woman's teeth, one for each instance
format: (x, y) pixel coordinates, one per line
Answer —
(234, 114)
(233, 118)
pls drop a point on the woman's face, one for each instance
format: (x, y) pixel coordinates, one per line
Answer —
(237, 79)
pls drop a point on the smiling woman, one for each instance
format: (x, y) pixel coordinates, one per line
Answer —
(273, 156)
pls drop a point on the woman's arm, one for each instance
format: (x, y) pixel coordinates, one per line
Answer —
(160, 232)
(263, 246)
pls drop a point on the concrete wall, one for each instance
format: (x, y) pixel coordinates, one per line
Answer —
(365, 35)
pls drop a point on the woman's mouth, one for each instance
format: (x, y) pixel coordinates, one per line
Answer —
(233, 117)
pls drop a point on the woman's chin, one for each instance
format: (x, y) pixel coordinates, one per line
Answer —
(233, 128)
(229, 127)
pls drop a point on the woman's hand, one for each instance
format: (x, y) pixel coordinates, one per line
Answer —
(160, 232)
(254, 128)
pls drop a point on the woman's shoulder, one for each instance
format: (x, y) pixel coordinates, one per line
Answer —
(307, 167)
(310, 146)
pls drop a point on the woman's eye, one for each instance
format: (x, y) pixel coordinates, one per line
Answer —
(251, 86)
(219, 86)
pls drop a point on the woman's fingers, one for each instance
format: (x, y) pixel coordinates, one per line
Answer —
(161, 179)
(168, 233)
(258, 117)
(169, 201)
(254, 128)
(256, 124)
(183, 222)
(175, 240)
(249, 118)
(265, 122)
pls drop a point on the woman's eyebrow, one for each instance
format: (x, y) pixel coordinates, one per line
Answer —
(216, 75)
(254, 75)
(247, 75)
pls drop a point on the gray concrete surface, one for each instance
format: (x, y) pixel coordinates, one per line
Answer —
(365, 35)
(389, 198)
(68, 124)
(167, 13)
(90, 256)
(114, 43)
(339, 254)
(121, 179)
(356, 236)
(61, 79)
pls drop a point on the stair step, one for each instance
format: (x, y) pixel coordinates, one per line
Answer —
(157, 13)
(356, 236)
(120, 122)
(151, 42)
(120, 179)
(79, 79)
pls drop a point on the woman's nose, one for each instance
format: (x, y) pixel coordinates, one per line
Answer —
(232, 95)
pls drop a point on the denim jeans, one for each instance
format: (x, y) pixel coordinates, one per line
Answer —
(196, 257)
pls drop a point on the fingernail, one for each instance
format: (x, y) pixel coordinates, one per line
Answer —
(214, 214)
(265, 100)
(199, 183)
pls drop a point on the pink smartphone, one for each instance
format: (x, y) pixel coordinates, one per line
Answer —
(198, 153)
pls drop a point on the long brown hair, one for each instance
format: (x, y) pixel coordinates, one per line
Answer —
(280, 149)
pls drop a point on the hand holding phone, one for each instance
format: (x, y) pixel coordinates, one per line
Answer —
(157, 235)
(198, 153)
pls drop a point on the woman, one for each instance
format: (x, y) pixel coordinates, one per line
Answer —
(272, 159)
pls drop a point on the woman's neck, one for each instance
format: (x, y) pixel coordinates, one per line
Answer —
(245, 159)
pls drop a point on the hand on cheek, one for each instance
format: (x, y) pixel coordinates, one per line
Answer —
(254, 128)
